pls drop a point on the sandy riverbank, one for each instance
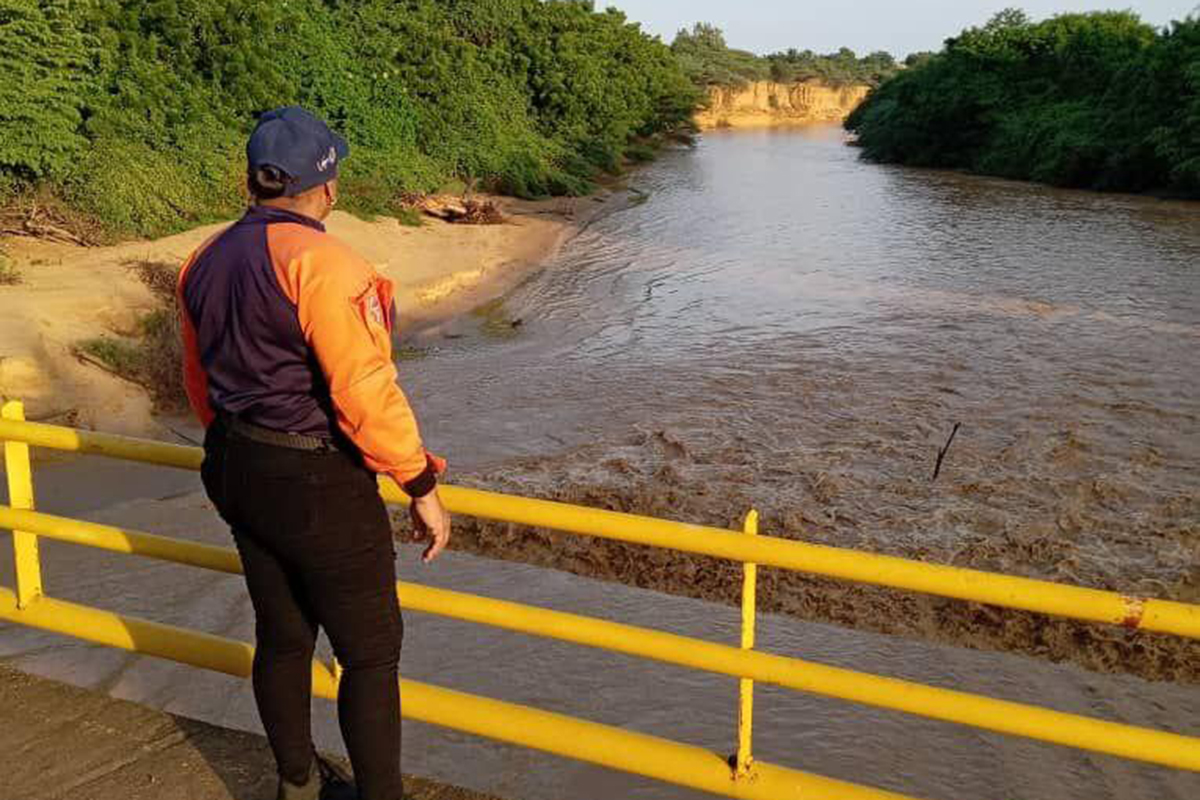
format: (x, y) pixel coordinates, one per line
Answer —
(68, 294)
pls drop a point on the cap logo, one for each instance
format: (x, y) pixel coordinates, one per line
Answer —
(329, 160)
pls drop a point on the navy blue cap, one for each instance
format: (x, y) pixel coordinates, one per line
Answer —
(299, 144)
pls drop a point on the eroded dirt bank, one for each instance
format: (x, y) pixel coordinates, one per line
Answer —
(761, 104)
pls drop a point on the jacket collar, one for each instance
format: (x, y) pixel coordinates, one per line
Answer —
(266, 215)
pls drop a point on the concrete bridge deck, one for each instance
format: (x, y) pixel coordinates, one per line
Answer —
(59, 742)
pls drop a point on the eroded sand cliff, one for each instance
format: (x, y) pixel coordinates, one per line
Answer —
(764, 103)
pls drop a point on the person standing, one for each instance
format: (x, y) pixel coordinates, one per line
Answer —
(288, 364)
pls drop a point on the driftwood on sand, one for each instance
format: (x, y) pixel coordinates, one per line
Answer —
(38, 221)
(465, 211)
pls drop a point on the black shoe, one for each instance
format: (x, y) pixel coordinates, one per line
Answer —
(309, 790)
(336, 784)
(326, 781)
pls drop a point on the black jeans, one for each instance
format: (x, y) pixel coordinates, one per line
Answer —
(316, 545)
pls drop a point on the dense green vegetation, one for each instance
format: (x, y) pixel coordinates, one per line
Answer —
(133, 113)
(709, 61)
(1097, 100)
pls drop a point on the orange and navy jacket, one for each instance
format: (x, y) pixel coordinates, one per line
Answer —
(285, 327)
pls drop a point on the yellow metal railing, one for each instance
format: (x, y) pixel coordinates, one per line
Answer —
(741, 775)
(743, 759)
(26, 559)
(1089, 605)
(914, 698)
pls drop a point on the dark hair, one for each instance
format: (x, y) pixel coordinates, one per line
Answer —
(267, 182)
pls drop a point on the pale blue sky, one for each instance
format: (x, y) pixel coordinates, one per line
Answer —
(899, 26)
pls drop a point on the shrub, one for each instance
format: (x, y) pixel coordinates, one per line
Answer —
(640, 153)
(1098, 100)
(134, 113)
(137, 188)
(709, 61)
(42, 56)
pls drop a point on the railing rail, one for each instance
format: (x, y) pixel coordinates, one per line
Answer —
(947, 705)
(739, 776)
(1026, 594)
(637, 753)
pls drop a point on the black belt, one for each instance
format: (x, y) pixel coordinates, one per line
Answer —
(241, 429)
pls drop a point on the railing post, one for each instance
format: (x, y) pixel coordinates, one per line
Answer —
(746, 694)
(26, 561)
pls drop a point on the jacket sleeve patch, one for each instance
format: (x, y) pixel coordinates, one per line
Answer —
(375, 316)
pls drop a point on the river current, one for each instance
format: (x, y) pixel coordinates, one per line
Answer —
(778, 324)
(772, 322)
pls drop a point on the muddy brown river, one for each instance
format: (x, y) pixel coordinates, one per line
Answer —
(780, 325)
(773, 323)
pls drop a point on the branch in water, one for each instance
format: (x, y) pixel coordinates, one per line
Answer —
(945, 449)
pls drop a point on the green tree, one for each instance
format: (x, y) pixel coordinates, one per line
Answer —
(43, 70)
(708, 61)
(134, 111)
(1097, 100)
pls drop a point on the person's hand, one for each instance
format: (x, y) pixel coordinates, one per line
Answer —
(431, 522)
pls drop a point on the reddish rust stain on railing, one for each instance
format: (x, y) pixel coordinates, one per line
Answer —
(1135, 609)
